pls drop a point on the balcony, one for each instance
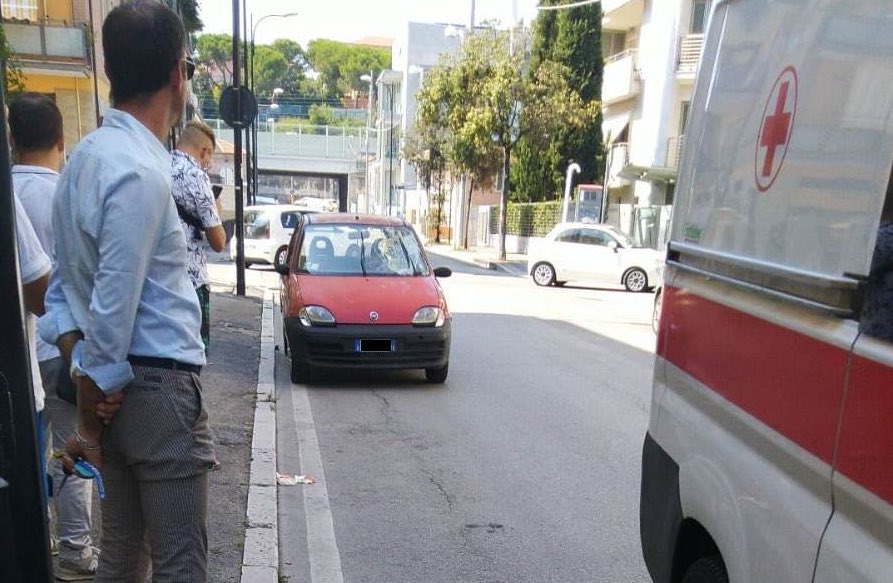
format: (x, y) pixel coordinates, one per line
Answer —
(689, 55)
(674, 151)
(56, 48)
(622, 14)
(620, 79)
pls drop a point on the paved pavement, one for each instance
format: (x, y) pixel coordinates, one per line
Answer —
(484, 258)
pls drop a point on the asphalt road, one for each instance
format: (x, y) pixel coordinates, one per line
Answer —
(523, 467)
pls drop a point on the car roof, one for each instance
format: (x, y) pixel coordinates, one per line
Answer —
(578, 225)
(348, 218)
(275, 208)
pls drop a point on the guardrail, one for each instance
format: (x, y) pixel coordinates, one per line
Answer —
(674, 151)
(307, 141)
(46, 41)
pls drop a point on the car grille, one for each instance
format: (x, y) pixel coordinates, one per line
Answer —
(408, 351)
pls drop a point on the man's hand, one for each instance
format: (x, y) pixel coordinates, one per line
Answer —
(66, 343)
(95, 408)
(108, 406)
(87, 448)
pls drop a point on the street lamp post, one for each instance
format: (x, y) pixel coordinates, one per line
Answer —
(254, 26)
(573, 168)
(370, 79)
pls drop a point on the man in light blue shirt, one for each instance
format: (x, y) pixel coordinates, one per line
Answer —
(120, 302)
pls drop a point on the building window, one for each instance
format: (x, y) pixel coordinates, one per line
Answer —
(19, 9)
(613, 43)
(684, 109)
(700, 9)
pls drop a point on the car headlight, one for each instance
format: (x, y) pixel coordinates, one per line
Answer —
(315, 316)
(428, 316)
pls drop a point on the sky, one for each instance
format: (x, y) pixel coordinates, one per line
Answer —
(351, 20)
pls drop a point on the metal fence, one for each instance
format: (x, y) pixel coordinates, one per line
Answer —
(306, 141)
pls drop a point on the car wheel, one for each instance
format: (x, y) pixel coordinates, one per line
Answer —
(706, 570)
(300, 372)
(437, 376)
(635, 280)
(280, 257)
(655, 315)
(543, 274)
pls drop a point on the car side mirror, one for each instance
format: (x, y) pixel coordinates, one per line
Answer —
(282, 269)
(613, 246)
(442, 272)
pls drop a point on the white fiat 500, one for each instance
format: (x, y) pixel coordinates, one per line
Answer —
(585, 252)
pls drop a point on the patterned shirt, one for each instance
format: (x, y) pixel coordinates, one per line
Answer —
(191, 189)
(877, 314)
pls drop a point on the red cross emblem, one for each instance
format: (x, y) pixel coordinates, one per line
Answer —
(776, 129)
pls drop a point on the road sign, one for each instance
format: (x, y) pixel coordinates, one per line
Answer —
(227, 106)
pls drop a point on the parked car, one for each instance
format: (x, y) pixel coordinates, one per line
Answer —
(591, 253)
(359, 292)
(268, 229)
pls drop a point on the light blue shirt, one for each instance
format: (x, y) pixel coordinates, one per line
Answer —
(120, 275)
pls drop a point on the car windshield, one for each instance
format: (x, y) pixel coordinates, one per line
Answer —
(361, 250)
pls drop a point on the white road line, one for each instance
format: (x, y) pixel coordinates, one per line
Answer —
(322, 548)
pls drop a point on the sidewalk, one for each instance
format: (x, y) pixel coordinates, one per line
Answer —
(483, 257)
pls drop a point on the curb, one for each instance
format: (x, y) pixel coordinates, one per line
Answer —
(260, 560)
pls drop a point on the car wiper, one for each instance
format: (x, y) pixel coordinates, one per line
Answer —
(362, 253)
(415, 270)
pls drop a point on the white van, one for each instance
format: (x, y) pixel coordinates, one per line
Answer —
(769, 453)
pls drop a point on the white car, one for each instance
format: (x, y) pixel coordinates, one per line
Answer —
(591, 253)
(268, 229)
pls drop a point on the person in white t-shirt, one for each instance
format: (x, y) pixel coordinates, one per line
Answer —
(34, 271)
(38, 142)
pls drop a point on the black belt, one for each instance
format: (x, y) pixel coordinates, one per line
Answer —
(166, 363)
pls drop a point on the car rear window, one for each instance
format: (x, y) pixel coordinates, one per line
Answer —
(257, 225)
(361, 250)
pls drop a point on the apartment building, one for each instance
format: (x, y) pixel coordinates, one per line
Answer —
(651, 50)
(58, 46)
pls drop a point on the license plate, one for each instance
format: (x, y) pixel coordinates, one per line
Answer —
(373, 345)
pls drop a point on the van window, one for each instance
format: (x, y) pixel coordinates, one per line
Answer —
(877, 312)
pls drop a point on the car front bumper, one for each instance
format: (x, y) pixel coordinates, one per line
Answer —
(337, 346)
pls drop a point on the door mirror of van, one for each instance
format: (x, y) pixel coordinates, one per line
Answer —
(281, 269)
(442, 272)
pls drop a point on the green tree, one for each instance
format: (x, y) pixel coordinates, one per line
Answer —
(15, 79)
(188, 10)
(215, 53)
(270, 70)
(570, 37)
(486, 106)
(340, 65)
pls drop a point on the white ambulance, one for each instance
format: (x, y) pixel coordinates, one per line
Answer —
(769, 453)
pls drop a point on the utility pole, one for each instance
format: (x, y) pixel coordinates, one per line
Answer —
(237, 159)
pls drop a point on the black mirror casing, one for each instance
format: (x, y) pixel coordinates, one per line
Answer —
(442, 272)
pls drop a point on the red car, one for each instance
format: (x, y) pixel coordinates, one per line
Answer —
(358, 292)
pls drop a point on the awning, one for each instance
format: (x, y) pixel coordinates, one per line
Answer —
(614, 125)
(649, 173)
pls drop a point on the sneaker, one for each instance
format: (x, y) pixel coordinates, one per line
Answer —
(83, 569)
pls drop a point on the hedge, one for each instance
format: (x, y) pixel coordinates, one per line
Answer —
(527, 219)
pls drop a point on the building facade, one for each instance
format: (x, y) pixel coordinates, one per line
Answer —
(57, 45)
(652, 49)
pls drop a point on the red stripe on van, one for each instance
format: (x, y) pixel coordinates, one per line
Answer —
(758, 366)
(865, 453)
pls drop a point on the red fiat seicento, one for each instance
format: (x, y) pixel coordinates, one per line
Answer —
(358, 292)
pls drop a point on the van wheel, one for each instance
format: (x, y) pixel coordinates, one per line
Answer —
(543, 274)
(706, 570)
(635, 280)
(280, 257)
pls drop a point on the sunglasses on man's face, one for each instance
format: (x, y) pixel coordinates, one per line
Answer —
(190, 68)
